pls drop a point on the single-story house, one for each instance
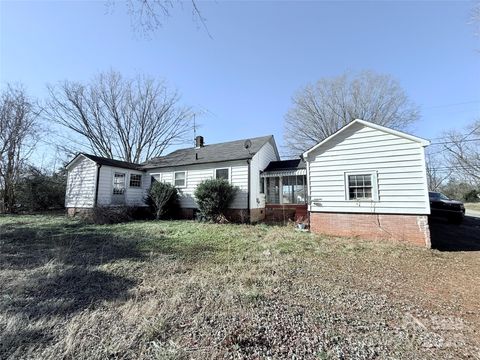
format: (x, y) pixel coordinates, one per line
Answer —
(365, 180)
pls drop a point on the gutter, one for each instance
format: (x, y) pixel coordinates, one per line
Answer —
(96, 185)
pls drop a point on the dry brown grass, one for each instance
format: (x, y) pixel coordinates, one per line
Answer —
(473, 206)
(161, 290)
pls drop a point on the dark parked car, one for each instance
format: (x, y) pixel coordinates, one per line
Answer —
(441, 205)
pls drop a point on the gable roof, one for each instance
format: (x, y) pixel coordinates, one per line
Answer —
(106, 161)
(421, 141)
(227, 151)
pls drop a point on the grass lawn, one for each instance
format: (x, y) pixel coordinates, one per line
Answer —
(180, 289)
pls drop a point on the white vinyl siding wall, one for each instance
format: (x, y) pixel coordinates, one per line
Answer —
(197, 173)
(81, 181)
(134, 196)
(399, 164)
(259, 162)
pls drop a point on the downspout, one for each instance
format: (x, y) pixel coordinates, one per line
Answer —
(96, 186)
(248, 189)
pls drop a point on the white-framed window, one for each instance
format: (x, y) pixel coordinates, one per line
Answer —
(361, 186)
(118, 183)
(180, 179)
(155, 177)
(222, 173)
(135, 180)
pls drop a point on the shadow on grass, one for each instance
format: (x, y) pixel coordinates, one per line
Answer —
(450, 237)
(50, 272)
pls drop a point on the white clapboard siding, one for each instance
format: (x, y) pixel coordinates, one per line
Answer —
(133, 196)
(195, 174)
(399, 163)
(259, 162)
(81, 181)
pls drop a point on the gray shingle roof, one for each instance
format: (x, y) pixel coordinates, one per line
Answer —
(108, 162)
(112, 162)
(227, 151)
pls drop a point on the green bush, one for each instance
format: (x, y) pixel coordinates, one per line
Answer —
(38, 190)
(214, 196)
(163, 198)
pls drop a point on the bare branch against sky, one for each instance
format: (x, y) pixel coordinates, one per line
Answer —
(129, 119)
(148, 16)
(321, 109)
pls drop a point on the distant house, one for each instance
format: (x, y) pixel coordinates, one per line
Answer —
(365, 180)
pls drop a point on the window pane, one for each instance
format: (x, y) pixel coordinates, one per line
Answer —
(262, 185)
(118, 183)
(222, 174)
(180, 175)
(299, 194)
(135, 180)
(287, 193)
(273, 190)
(360, 187)
(351, 180)
(180, 178)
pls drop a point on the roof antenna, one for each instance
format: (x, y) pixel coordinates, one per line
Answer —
(194, 131)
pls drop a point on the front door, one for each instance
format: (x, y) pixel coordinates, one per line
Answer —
(118, 196)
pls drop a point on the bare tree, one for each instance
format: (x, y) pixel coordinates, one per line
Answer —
(129, 119)
(437, 173)
(147, 16)
(18, 133)
(464, 151)
(321, 109)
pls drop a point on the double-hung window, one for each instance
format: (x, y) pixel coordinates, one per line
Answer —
(135, 180)
(223, 174)
(361, 186)
(180, 179)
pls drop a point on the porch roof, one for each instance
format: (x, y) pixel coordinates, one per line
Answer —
(285, 168)
(292, 172)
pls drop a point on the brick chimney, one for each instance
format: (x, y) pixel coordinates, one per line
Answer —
(199, 142)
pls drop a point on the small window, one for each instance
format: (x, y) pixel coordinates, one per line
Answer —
(360, 187)
(180, 178)
(222, 174)
(261, 184)
(135, 180)
(118, 184)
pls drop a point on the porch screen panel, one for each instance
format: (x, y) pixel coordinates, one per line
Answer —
(273, 190)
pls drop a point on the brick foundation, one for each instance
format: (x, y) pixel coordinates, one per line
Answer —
(285, 213)
(412, 229)
(257, 215)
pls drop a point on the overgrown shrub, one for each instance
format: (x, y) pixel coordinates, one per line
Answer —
(163, 199)
(38, 190)
(214, 196)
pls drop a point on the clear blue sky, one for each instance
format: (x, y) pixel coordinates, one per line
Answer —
(260, 54)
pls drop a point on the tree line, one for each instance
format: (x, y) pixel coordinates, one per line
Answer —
(135, 119)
